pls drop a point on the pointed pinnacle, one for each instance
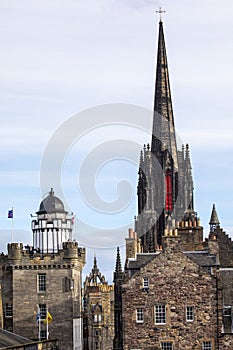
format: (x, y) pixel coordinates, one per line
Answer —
(214, 217)
(118, 262)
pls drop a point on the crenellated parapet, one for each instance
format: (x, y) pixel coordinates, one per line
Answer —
(72, 251)
(15, 251)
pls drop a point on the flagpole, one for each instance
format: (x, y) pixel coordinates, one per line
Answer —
(39, 328)
(47, 317)
(12, 227)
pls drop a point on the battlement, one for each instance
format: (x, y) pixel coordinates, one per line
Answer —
(15, 251)
(71, 250)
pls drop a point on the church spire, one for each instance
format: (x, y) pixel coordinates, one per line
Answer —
(165, 185)
(163, 124)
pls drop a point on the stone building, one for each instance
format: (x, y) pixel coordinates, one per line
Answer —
(177, 298)
(98, 318)
(41, 285)
(176, 290)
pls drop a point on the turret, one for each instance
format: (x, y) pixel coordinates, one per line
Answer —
(214, 222)
(53, 225)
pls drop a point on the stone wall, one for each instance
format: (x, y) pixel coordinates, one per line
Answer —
(177, 282)
(19, 280)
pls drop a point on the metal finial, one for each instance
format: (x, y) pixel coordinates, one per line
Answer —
(160, 11)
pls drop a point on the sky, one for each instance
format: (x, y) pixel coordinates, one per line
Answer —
(74, 74)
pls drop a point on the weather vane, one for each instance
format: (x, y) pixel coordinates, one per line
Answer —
(160, 11)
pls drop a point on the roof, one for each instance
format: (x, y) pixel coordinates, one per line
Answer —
(51, 204)
(214, 217)
(141, 260)
(11, 339)
(202, 258)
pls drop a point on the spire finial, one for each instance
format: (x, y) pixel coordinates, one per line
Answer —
(160, 11)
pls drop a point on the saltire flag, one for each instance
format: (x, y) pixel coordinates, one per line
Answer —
(10, 214)
(48, 318)
(38, 316)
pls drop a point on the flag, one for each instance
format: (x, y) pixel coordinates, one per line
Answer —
(38, 316)
(48, 318)
(72, 220)
(10, 214)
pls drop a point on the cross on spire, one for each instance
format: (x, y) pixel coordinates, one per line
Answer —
(160, 11)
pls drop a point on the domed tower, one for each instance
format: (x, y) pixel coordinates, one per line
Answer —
(52, 226)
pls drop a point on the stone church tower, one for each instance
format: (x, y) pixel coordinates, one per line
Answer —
(98, 315)
(165, 185)
(45, 278)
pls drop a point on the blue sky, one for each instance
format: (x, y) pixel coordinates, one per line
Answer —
(59, 58)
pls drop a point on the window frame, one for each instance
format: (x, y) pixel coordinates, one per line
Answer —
(160, 314)
(146, 283)
(8, 310)
(189, 313)
(97, 318)
(166, 345)
(139, 315)
(41, 283)
(207, 345)
(43, 311)
(43, 334)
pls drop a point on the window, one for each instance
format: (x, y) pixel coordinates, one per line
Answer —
(166, 346)
(97, 332)
(43, 334)
(145, 283)
(41, 282)
(189, 313)
(160, 314)
(139, 315)
(97, 345)
(9, 312)
(206, 345)
(43, 311)
(97, 318)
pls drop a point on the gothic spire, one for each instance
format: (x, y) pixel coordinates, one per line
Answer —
(163, 124)
(118, 269)
(95, 276)
(214, 217)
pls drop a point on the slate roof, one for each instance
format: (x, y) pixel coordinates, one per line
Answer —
(11, 339)
(202, 258)
(140, 261)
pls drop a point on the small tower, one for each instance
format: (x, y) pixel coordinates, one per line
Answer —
(214, 222)
(98, 315)
(52, 226)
